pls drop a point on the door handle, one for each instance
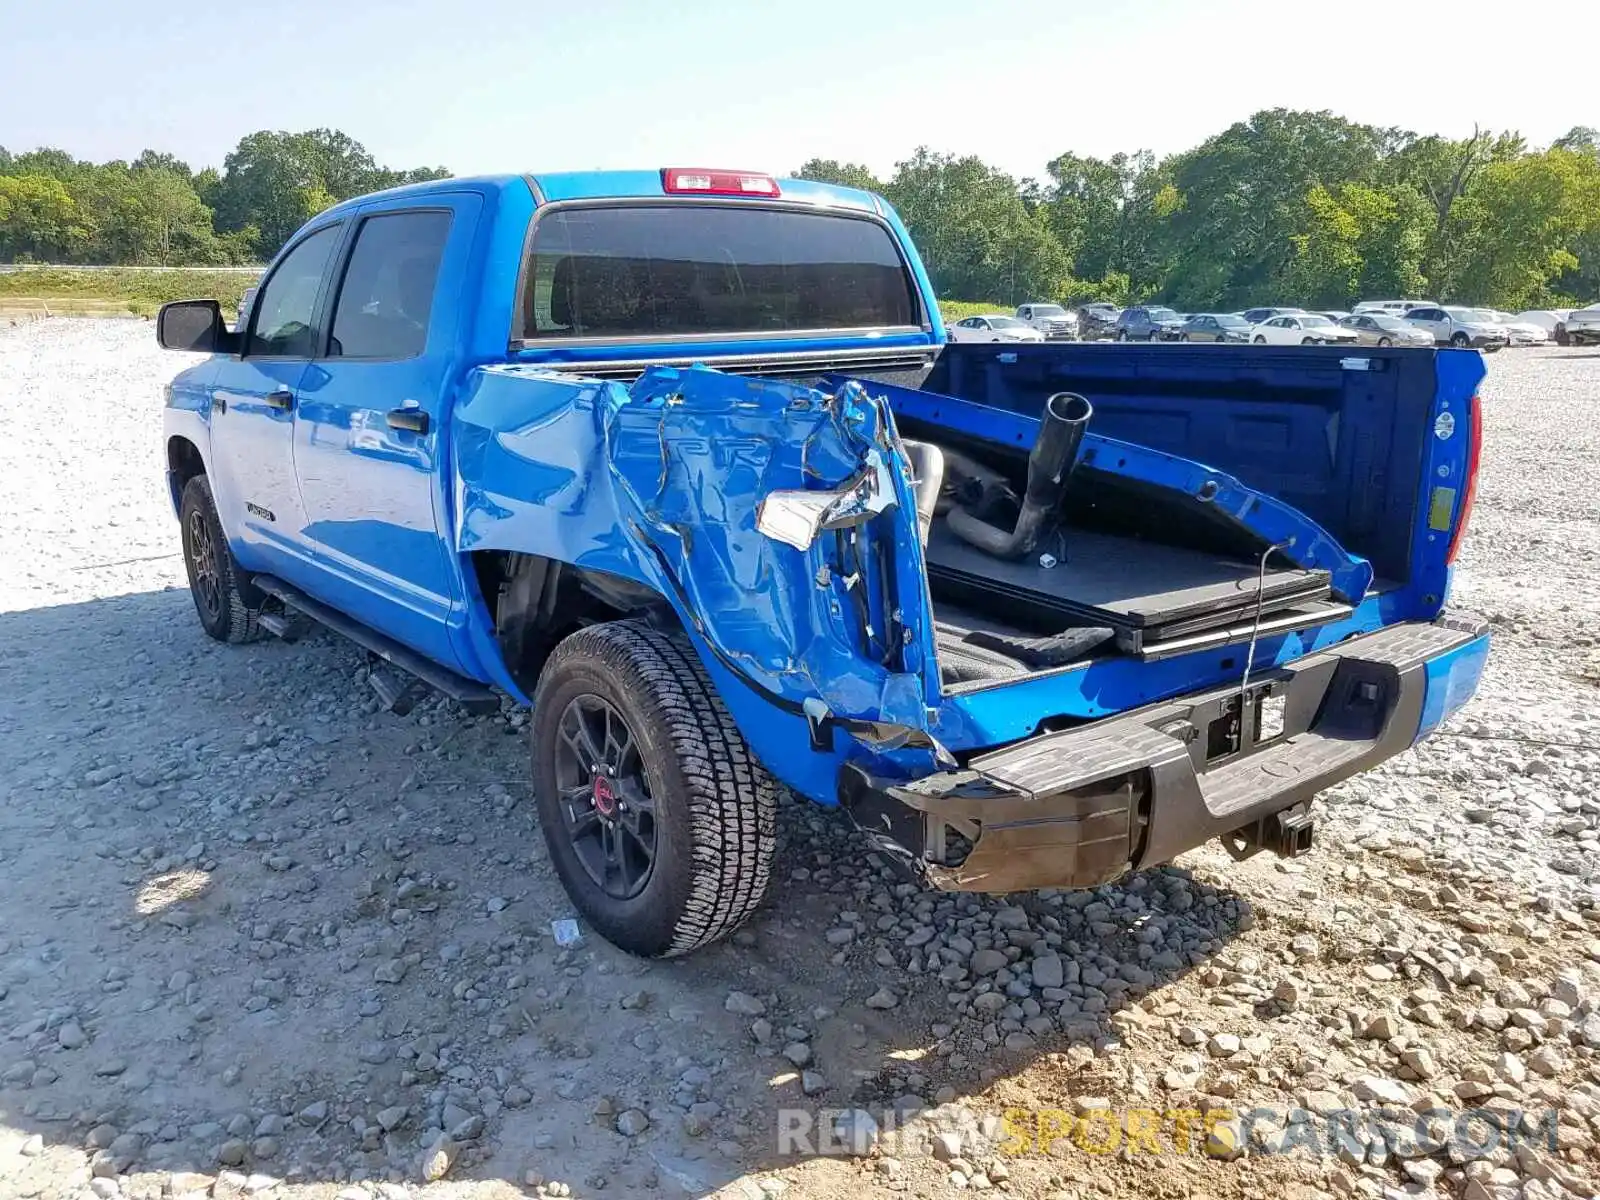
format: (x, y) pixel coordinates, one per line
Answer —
(413, 419)
(282, 399)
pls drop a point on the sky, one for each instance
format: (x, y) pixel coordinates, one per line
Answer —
(527, 85)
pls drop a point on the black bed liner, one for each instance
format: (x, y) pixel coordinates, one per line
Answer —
(1158, 599)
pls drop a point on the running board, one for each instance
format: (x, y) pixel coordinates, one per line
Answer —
(474, 697)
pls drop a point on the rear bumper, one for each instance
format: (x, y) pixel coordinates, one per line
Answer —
(1083, 806)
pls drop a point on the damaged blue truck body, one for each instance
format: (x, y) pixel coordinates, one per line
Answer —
(682, 459)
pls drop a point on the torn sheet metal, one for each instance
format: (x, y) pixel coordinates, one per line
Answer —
(825, 615)
(830, 601)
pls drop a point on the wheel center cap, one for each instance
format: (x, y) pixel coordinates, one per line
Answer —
(604, 795)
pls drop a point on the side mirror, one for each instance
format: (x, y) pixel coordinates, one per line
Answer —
(194, 325)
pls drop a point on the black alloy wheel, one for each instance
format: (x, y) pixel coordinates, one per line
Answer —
(607, 806)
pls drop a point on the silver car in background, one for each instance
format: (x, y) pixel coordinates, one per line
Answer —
(1385, 329)
(1583, 326)
(1454, 325)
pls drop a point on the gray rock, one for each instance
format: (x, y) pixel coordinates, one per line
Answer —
(1048, 971)
(390, 1118)
(71, 1036)
(437, 1159)
(986, 962)
(233, 1152)
(883, 998)
(744, 1004)
(390, 971)
(798, 1053)
(631, 1122)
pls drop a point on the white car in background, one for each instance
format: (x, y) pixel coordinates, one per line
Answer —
(1523, 333)
(1552, 320)
(1301, 329)
(1583, 326)
(992, 327)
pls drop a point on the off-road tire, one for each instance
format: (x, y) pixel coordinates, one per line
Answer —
(232, 618)
(716, 822)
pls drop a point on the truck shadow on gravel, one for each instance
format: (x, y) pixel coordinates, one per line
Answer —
(256, 926)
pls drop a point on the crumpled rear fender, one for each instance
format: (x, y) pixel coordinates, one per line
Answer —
(823, 654)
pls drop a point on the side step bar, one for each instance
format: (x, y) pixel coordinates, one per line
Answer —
(474, 697)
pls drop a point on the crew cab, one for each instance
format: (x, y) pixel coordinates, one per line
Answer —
(683, 459)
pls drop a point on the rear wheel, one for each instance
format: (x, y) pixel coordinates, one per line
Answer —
(660, 823)
(226, 602)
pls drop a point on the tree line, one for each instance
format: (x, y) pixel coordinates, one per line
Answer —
(156, 211)
(1286, 207)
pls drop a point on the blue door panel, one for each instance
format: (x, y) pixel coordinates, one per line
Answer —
(376, 511)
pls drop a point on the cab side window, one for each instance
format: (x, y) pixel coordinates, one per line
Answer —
(386, 296)
(285, 306)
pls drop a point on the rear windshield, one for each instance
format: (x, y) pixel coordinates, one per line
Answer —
(683, 270)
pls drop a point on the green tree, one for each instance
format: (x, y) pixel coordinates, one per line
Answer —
(1518, 224)
(827, 170)
(1243, 194)
(1358, 240)
(38, 219)
(976, 235)
(273, 181)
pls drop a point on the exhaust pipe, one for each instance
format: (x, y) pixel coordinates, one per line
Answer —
(1054, 455)
(927, 468)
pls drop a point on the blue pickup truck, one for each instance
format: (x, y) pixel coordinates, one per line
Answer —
(682, 459)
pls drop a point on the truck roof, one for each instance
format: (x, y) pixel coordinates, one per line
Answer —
(604, 185)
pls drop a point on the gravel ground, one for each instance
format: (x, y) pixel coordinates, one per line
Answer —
(259, 939)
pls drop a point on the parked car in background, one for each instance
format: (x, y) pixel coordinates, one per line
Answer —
(1148, 323)
(1453, 325)
(1583, 326)
(1257, 315)
(1097, 320)
(992, 327)
(1397, 307)
(1051, 320)
(1385, 329)
(1523, 333)
(1552, 320)
(1215, 327)
(1335, 315)
(1300, 329)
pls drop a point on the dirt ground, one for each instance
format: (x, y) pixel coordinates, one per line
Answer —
(257, 938)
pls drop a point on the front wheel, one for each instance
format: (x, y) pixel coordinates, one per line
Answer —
(1260, 340)
(660, 823)
(1183, 337)
(225, 600)
(1383, 341)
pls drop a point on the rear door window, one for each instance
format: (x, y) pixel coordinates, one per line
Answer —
(387, 293)
(685, 270)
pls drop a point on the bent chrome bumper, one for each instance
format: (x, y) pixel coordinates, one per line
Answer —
(1083, 806)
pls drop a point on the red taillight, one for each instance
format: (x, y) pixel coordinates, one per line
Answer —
(699, 181)
(1474, 455)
